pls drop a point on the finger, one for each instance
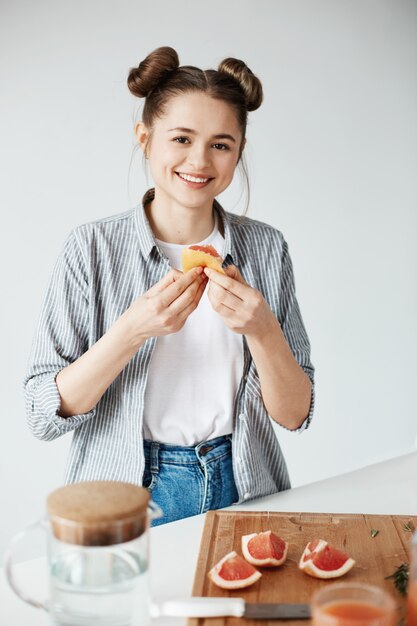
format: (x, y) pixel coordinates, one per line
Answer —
(233, 272)
(179, 286)
(187, 297)
(219, 295)
(228, 283)
(232, 285)
(200, 290)
(219, 307)
(191, 306)
(199, 293)
(231, 319)
(162, 284)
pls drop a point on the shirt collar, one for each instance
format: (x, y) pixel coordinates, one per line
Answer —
(230, 252)
(147, 239)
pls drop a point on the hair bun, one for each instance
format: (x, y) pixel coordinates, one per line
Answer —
(250, 84)
(152, 70)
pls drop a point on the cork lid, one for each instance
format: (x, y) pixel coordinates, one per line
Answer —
(95, 513)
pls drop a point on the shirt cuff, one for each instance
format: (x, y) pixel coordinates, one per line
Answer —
(309, 417)
(306, 422)
(47, 401)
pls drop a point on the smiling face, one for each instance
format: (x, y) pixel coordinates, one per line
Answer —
(193, 150)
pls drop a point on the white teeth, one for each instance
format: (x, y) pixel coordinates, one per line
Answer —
(192, 179)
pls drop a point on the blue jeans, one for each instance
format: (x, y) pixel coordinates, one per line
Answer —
(188, 480)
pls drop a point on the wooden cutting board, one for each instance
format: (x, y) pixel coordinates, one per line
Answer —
(376, 557)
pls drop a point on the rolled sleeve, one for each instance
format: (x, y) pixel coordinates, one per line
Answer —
(61, 338)
(309, 417)
(43, 403)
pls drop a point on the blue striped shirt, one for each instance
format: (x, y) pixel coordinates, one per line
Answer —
(103, 267)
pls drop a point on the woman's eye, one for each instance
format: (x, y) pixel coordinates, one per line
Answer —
(184, 140)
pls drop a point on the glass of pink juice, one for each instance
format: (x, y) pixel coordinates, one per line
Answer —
(412, 585)
(412, 603)
(353, 604)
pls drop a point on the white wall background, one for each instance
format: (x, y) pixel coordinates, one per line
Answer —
(333, 161)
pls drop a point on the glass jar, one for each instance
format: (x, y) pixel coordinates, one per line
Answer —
(98, 554)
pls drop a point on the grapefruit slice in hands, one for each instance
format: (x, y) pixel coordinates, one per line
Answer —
(322, 560)
(264, 549)
(233, 572)
(201, 256)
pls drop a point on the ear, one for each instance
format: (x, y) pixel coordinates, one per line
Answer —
(142, 135)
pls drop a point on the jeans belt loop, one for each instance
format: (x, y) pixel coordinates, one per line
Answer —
(154, 457)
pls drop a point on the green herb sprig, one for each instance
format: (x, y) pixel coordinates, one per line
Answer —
(400, 578)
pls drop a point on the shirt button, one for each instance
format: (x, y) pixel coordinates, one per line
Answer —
(239, 460)
(242, 416)
(246, 495)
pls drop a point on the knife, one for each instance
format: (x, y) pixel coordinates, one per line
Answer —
(236, 607)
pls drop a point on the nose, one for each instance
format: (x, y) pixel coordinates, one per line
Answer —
(198, 157)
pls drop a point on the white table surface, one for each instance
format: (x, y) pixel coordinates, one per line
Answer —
(384, 488)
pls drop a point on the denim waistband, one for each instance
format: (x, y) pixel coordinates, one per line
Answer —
(206, 451)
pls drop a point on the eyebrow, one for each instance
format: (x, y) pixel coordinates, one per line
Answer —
(193, 132)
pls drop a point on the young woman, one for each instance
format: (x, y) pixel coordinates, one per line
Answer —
(169, 379)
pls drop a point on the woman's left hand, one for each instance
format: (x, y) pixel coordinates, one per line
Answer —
(243, 308)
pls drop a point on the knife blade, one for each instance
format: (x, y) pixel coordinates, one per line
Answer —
(221, 607)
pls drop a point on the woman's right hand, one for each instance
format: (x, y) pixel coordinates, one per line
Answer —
(160, 311)
(164, 308)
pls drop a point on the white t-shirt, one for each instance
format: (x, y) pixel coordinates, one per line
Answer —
(194, 373)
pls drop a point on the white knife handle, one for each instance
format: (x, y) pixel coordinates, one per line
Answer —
(199, 607)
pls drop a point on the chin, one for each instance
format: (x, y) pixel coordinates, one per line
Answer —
(192, 197)
(195, 203)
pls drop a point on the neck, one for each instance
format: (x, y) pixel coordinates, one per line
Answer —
(175, 223)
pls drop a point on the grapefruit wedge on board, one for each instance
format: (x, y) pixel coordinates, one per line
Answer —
(201, 256)
(264, 549)
(322, 560)
(233, 572)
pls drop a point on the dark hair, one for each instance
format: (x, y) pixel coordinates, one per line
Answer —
(159, 77)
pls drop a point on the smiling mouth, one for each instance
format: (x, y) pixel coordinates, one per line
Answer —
(193, 179)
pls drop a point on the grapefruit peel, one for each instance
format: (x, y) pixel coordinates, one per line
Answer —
(321, 560)
(264, 549)
(201, 256)
(233, 572)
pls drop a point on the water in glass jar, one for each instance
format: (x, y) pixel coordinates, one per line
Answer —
(92, 587)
